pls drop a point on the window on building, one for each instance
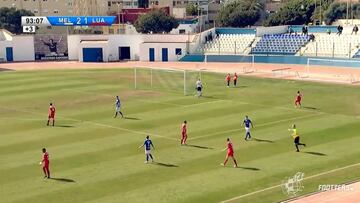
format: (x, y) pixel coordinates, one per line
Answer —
(178, 51)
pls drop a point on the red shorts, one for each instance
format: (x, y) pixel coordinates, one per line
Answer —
(298, 101)
(46, 164)
(52, 116)
(230, 154)
(184, 134)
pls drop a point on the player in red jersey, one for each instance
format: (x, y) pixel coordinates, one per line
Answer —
(51, 114)
(230, 153)
(45, 163)
(183, 133)
(227, 79)
(235, 79)
(298, 99)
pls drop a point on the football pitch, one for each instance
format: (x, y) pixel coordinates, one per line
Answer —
(95, 157)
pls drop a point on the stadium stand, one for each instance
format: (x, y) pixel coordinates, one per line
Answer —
(283, 44)
(357, 54)
(229, 44)
(332, 45)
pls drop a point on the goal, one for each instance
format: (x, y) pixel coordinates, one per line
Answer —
(349, 75)
(245, 63)
(166, 79)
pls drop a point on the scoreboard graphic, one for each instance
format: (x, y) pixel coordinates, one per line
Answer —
(53, 47)
(67, 20)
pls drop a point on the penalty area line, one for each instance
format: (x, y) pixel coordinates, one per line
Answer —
(129, 130)
(276, 186)
(95, 123)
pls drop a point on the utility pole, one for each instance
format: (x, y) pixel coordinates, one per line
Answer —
(320, 13)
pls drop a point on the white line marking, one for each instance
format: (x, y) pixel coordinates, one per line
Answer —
(228, 100)
(260, 125)
(22, 119)
(95, 123)
(272, 187)
(149, 101)
(112, 96)
(132, 131)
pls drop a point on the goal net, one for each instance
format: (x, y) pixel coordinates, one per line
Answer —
(245, 63)
(166, 79)
(351, 75)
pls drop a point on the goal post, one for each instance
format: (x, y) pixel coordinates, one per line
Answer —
(333, 62)
(166, 79)
(351, 75)
(246, 63)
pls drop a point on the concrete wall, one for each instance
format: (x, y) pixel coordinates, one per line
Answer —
(3, 45)
(23, 48)
(189, 28)
(260, 31)
(138, 49)
(144, 53)
(179, 13)
(114, 42)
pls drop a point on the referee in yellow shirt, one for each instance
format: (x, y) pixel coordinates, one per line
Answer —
(296, 137)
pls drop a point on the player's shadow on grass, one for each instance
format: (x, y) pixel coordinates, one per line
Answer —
(208, 97)
(261, 140)
(164, 164)
(309, 107)
(316, 153)
(249, 168)
(131, 118)
(64, 126)
(5, 69)
(67, 180)
(198, 146)
(240, 86)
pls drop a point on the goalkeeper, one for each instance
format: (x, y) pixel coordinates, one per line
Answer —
(199, 87)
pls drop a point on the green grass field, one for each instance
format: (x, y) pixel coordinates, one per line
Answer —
(95, 158)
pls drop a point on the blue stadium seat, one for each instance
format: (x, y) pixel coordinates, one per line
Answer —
(280, 44)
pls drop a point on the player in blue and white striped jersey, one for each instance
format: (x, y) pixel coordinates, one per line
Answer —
(148, 144)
